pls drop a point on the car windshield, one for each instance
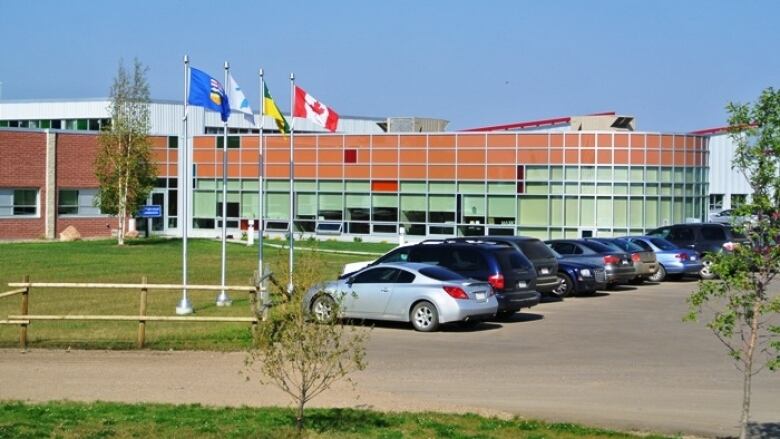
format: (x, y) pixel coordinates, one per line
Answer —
(439, 273)
(535, 249)
(662, 244)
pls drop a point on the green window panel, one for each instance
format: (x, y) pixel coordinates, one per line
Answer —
(572, 189)
(441, 203)
(233, 142)
(442, 187)
(532, 211)
(665, 211)
(232, 197)
(305, 185)
(278, 185)
(637, 189)
(604, 189)
(651, 175)
(587, 212)
(331, 186)
(536, 188)
(666, 189)
(690, 175)
(537, 173)
(556, 234)
(249, 205)
(689, 209)
(385, 200)
(331, 202)
(206, 184)
(572, 212)
(556, 211)
(534, 232)
(413, 202)
(588, 173)
(624, 232)
(82, 124)
(636, 212)
(413, 186)
(571, 233)
(473, 205)
(621, 173)
(3, 123)
(572, 173)
(556, 188)
(677, 214)
(249, 185)
(679, 175)
(651, 189)
(204, 204)
(358, 186)
(604, 212)
(232, 185)
(45, 124)
(678, 191)
(471, 188)
(604, 173)
(363, 200)
(637, 174)
(278, 206)
(501, 207)
(588, 189)
(666, 175)
(501, 188)
(621, 189)
(689, 190)
(620, 214)
(556, 173)
(306, 205)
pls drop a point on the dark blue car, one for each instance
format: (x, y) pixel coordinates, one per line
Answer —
(578, 278)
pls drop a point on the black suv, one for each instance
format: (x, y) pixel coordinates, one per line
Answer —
(705, 238)
(543, 259)
(511, 274)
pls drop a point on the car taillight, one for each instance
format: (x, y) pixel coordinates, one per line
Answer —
(730, 246)
(496, 281)
(456, 292)
(635, 257)
(682, 256)
(611, 259)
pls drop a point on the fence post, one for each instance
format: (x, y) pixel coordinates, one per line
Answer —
(141, 313)
(254, 293)
(265, 298)
(25, 306)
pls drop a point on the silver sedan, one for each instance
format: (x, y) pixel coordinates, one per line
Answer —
(425, 295)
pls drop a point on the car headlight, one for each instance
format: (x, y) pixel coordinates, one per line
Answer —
(586, 272)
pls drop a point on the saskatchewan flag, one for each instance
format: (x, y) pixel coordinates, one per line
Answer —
(272, 110)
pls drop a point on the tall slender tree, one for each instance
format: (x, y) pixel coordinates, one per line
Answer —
(124, 165)
(741, 307)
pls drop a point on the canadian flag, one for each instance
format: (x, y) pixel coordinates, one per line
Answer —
(310, 108)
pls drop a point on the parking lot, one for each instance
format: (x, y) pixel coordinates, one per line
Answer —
(621, 359)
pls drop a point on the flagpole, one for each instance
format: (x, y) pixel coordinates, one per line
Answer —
(184, 306)
(260, 175)
(223, 299)
(292, 177)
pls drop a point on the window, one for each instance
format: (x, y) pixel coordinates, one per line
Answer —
(440, 274)
(713, 233)
(404, 277)
(467, 260)
(277, 226)
(77, 202)
(738, 200)
(328, 228)
(350, 156)
(376, 276)
(173, 142)
(233, 142)
(684, 234)
(18, 202)
(716, 202)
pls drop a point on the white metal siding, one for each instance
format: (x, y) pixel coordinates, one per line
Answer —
(723, 179)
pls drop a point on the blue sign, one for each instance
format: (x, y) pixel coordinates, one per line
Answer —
(150, 211)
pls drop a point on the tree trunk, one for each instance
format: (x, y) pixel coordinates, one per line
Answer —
(299, 418)
(748, 370)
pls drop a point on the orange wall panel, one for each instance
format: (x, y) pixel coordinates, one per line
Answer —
(637, 157)
(556, 140)
(501, 141)
(532, 156)
(571, 140)
(159, 155)
(248, 171)
(306, 171)
(678, 142)
(173, 170)
(441, 141)
(441, 156)
(278, 171)
(385, 155)
(666, 158)
(331, 171)
(278, 156)
(588, 140)
(621, 140)
(605, 140)
(356, 171)
(204, 142)
(412, 156)
(305, 156)
(384, 141)
(621, 157)
(233, 156)
(248, 156)
(204, 156)
(207, 171)
(441, 172)
(277, 142)
(496, 156)
(356, 142)
(382, 171)
(363, 156)
(471, 141)
(653, 141)
(532, 140)
(653, 157)
(331, 155)
(331, 142)
(413, 141)
(158, 141)
(471, 172)
(249, 142)
(666, 141)
(471, 156)
(413, 172)
(690, 158)
(637, 141)
(588, 156)
(605, 156)
(304, 141)
(556, 156)
(502, 172)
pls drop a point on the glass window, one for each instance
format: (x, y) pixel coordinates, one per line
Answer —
(18, 202)
(440, 273)
(376, 276)
(397, 255)
(713, 233)
(413, 208)
(78, 202)
(604, 212)
(173, 142)
(532, 211)
(587, 212)
(466, 260)
(233, 142)
(404, 277)
(663, 244)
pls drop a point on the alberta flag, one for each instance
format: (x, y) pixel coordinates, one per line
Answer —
(238, 100)
(207, 92)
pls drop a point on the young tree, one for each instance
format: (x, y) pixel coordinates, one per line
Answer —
(124, 165)
(740, 306)
(300, 356)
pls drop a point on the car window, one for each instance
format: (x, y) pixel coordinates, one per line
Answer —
(377, 275)
(612, 245)
(713, 233)
(440, 273)
(404, 277)
(642, 244)
(427, 254)
(564, 248)
(397, 255)
(681, 234)
(629, 246)
(467, 260)
(516, 259)
(663, 232)
(599, 247)
(662, 244)
(534, 249)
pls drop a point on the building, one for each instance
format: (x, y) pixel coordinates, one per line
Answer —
(728, 187)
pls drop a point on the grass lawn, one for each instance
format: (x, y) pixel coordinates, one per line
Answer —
(157, 259)
(100, 420)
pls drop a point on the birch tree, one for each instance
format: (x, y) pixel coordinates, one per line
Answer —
(124, 165)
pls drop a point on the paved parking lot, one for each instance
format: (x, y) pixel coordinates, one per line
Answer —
(621, 359)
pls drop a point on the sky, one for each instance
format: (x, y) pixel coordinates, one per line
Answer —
(674, 65)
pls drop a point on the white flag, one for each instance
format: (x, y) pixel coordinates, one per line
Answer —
(238, 101)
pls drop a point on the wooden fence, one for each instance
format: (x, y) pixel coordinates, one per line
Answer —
(24, 318)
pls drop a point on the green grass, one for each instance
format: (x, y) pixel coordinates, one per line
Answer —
(103, 420)
(368, 247)
(157, 259)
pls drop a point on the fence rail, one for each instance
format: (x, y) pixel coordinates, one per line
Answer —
(24, 318)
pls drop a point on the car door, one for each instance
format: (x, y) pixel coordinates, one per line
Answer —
(404, 293)
(369, 292)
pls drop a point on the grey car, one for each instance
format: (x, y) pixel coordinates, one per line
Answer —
(617, 263)
(425, 295)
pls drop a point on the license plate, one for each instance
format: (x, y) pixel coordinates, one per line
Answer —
(545, 271)
(522, 284)
(625, 262)
(481, 296)
(693, 258)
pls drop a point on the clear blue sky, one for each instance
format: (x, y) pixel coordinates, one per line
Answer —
(672, 64)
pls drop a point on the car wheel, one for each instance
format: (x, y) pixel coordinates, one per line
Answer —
(424, 317)
(505, 315)
(659, 275)
(706, 271)
(637, 281)
(565, 286)
(323, 308)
